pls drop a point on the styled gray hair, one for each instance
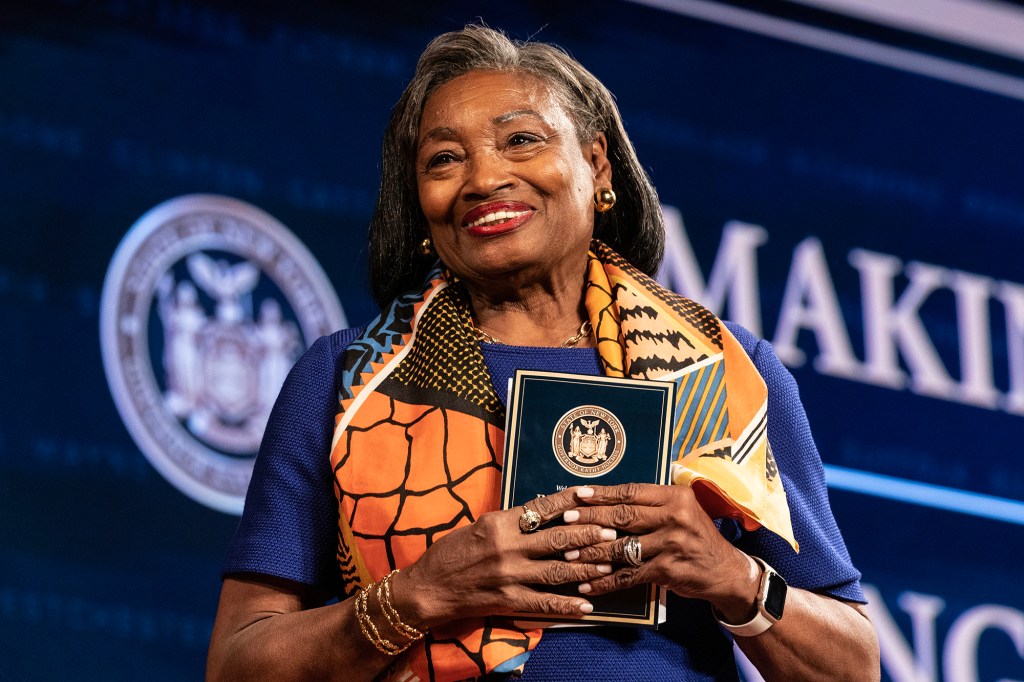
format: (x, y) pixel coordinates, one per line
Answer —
(634, 227)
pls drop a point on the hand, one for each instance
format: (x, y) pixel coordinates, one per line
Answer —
(682, 549)
(487, 567)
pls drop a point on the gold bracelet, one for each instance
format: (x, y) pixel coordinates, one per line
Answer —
(366, 624)
(384, 597)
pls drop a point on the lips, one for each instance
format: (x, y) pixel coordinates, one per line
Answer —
(496, 217)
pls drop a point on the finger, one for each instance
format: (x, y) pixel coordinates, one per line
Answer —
(552, 506)
(644, 494)
(559, 539)
(625, 517)
(618, 550)
(619, 580)
(526, 600)
(614, 552)
(594, 554)
(559, 572)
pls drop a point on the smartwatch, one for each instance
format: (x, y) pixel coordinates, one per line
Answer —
(770, 602)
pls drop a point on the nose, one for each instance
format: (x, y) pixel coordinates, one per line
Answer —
(486, 173)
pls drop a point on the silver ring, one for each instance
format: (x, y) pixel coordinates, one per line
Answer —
(632, 551)
(529, 521)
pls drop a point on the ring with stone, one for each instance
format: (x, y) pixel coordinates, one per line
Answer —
(632, 551)
(529, 521)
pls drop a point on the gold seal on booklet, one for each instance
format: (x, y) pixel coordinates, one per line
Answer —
(588, 441)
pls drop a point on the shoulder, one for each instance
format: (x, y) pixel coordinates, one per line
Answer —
(788, 428)
(745, 337)
(331, 346)
(761, 352)
(311, 384)
(310, 388)
(323, 354)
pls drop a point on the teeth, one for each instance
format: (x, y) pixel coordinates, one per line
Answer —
(497, 217)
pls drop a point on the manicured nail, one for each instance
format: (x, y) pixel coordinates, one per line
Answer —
(585, 588)
(604, 568)
(572, 555)
(571, 516)
(586, 607)
(607, 534)
(584, 492)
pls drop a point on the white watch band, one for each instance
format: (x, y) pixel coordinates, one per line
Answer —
(761, 620)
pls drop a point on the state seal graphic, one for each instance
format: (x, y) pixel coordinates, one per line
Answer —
(207, 303)
(588, 441)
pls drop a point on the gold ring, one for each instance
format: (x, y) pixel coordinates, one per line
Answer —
(632, 551)
(529, 521)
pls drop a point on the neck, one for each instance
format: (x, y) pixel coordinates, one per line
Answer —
(537, 317)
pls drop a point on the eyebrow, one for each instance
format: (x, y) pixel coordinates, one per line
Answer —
(506, 117)
(441, 133)
(445, 133)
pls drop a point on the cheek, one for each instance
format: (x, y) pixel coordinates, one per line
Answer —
(426, 202)
(576, 184)
(435, 201)
(579, 195)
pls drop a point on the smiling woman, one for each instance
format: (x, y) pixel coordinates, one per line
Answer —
(512, 207)
(507, 188)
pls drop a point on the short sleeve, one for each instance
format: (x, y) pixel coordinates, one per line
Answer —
(289, 526)
(823, 563)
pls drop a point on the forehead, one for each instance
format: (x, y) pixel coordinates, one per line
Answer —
(482, 97)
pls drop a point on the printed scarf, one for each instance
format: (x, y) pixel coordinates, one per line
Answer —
(419, 438)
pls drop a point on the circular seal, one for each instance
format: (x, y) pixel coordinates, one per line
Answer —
(588, 441)
(207, 303)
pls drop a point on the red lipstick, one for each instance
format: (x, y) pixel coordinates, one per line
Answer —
(515, 214)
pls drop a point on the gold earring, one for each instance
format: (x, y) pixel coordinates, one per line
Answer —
(426, 246)
(604, 199)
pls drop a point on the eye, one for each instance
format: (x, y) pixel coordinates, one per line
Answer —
(520, 139)
(441, 159)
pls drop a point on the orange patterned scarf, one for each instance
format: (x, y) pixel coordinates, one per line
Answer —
(416, 378)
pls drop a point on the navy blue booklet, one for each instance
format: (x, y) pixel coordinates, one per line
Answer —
(566, 430)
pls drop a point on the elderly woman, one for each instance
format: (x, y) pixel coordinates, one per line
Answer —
(513, 230)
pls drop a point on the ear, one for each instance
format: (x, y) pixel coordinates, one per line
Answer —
(597, 155)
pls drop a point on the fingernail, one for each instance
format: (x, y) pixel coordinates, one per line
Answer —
(604, 568)
(571, 516)
(607, 534)
(585, 588)
(584, 492)
(572, 555)
(586, 607)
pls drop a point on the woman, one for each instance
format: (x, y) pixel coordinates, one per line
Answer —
(499, 162)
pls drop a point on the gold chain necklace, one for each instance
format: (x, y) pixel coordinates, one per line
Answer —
(481, 335)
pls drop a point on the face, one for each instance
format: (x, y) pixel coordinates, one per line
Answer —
(504, 182)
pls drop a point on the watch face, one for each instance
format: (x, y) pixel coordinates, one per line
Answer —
(775, 596)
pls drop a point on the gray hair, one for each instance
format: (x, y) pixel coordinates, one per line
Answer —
(634, 227)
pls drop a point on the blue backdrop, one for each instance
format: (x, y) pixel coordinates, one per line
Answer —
(851, 192)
